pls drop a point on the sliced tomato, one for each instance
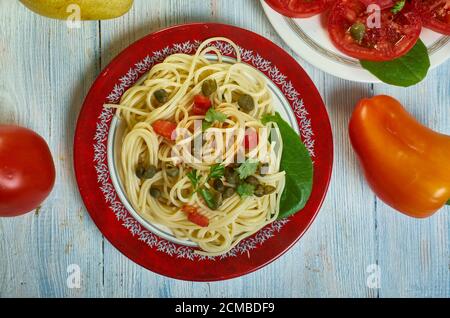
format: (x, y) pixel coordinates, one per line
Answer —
(299, 8)
(165, 128)
(251, 139)
(395, 36)
(194, 216)
(383, 4)
(435, 14)
(203, 102)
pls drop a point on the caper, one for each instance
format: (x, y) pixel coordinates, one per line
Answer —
(155, 192)
(173, 172)
(252, 180)
(259, 190)
(218, 185)
(269, 189)
(228, 192)
(140, 170)
(161, 96)
(246, 103)
(150, 172)
(231, 176)
(209, 87)
(146, 172)
(357, 31)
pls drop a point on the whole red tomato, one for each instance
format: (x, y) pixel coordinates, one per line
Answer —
(27, 171)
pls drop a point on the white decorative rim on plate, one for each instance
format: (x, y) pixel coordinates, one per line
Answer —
(103, 145)
(309, 39)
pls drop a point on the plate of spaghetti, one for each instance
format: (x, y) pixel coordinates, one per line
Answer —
(203, 152)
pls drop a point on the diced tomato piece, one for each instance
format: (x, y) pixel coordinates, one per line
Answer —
(251, 139)
(198, 219)
(165, 128)
(199, 111)
(202, 102)
(188, 209)
(194, 216)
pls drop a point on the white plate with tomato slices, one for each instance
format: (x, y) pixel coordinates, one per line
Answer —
(319, 31)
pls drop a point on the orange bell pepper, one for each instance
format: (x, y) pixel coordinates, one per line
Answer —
(406, 164)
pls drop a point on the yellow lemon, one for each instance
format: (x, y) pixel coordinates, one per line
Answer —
(88, 9)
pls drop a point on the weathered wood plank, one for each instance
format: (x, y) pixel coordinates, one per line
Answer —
(331, 259)
(415, 254)
(46, 69)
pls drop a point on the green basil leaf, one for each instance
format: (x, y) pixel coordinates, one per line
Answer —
(405, 71)
(448, 202)
(297, 164)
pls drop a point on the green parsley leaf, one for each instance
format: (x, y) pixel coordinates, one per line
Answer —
(206, 125)
(216, 171)
(248, 168)
(194, 178)
(212, 115)
(399, 5)
(210, 198)
(245, 190)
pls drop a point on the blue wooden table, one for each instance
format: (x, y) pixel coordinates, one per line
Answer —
(357, 247)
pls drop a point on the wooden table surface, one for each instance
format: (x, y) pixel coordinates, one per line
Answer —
(46, 70)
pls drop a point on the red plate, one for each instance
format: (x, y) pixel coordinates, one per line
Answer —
(101, 198)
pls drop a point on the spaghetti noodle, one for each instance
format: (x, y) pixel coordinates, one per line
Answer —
(205, 196)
